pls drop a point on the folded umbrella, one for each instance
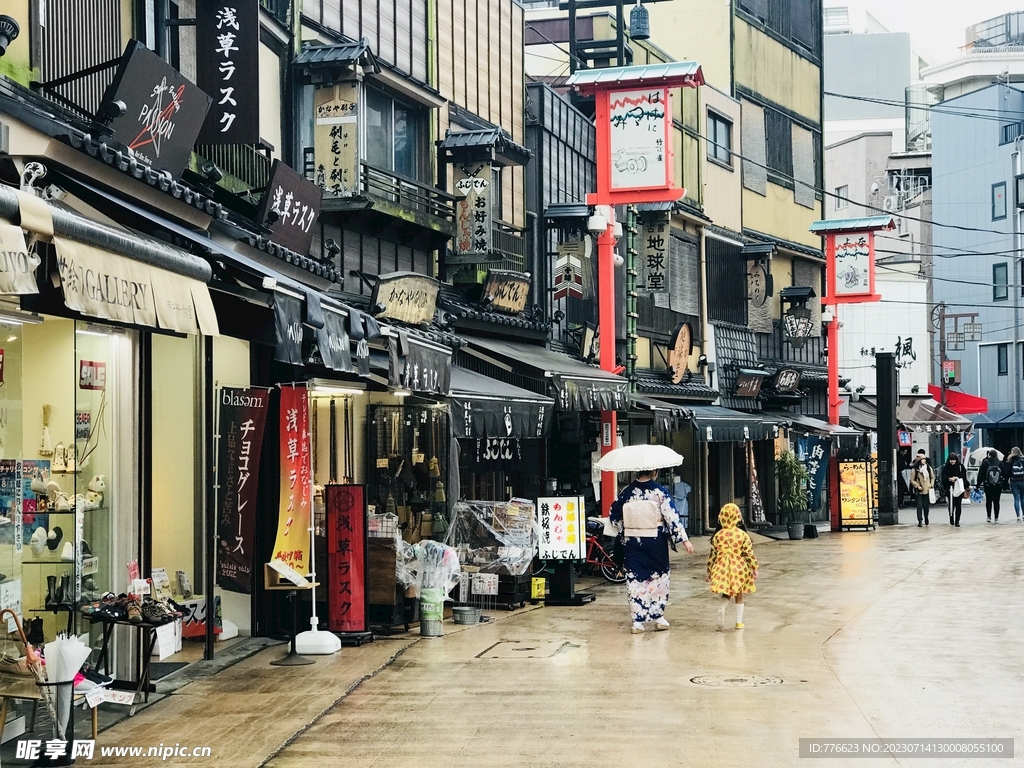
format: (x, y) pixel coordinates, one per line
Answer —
(639, 458)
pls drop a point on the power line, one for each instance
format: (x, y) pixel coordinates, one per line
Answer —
(969, 112)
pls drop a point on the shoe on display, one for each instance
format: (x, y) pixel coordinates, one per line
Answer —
(184, 587)
(54, 538)
(69, 459)
(38, 486)
(38, 542)
(59, 464)
(62, 503)
(51, 592)
(86, 552)
(35, 632)
(68, 552)
(134, 609)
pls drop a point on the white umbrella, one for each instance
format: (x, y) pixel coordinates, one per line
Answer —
(639, 458)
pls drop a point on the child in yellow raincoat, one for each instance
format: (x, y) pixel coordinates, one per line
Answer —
(732, 567)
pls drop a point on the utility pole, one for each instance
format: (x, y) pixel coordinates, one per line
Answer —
(970, 330)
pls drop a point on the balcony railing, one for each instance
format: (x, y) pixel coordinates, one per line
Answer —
(243, 161)
(774, 347)
(510, 242)
(406, 192)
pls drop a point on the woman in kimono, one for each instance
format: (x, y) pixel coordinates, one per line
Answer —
(647, 520)
(732, 567)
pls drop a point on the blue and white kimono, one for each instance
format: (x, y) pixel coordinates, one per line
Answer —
(646, 557)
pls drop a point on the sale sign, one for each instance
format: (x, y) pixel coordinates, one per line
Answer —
(92, 375)
(296, 495)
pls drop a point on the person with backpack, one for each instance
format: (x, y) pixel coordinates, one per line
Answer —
(922, 479)
(953, 472)
(990, 479)
(1015, 471)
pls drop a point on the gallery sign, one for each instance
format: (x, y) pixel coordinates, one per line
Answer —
(164, 110)
(290, 208)
(408, 297)
(227, 60)
(17, 263)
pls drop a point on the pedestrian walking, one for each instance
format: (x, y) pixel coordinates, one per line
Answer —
(1015, 473)
(647, 521)
(922, 480)
(990, 479)
(954, 480)
(732, 566)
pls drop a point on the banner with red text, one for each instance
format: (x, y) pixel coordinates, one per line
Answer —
(296, 501)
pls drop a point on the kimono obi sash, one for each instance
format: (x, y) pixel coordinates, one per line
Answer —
(641, 518)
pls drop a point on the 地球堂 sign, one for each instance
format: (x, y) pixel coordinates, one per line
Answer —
(561, 525)
(638, 137)
(654, 256)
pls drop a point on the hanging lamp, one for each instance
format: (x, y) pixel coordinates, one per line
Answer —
(639, 22)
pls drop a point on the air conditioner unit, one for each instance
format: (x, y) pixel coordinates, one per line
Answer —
(890, 203)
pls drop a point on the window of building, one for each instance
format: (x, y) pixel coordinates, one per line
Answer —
(1002, 359)
(795, 22)
(497, 202)
(719, 139)
(999, 201)
(394, 135)
(778, 136)
(842, 196)
(1000, 276)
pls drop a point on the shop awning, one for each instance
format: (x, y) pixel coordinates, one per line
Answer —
(577, 386)
(486, 407)
(668, 417)
(959, 402)
(804, 423)
(1011, 421)
(989, 419)
(917, 414)
(715, 424)
(419, 365)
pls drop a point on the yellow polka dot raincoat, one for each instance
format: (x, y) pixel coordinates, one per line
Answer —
(731, 564)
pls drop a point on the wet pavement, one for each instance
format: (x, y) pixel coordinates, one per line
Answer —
(902, 632)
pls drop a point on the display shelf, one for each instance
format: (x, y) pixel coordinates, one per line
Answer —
(50, 561)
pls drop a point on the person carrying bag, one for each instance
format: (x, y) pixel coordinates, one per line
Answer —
(922, 480)
(954, 480)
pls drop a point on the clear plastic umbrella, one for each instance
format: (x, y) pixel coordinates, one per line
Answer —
(639, 458)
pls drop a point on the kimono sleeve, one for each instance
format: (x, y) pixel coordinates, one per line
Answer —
(671, 517)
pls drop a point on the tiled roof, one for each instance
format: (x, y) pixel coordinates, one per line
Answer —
(496, 138)
(862, 224)
(339, 54)
(652, 74)
(458, 306)
(688, 390)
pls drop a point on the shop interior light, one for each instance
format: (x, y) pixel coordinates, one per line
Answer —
(13, 317)
(327, 387)
(13, 337)
(84, 332)
(401, 393)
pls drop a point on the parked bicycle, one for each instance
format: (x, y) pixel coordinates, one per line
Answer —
(599, 555)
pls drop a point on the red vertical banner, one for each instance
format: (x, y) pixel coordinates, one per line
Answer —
(347, 596)
(296, 495)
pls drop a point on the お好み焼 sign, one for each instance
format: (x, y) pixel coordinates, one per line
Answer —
(507, 291)
(407, 297)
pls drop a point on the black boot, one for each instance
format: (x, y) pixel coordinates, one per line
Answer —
(51, 592)
(64, 596)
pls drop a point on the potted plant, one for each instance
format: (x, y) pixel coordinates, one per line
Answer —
(792, 479)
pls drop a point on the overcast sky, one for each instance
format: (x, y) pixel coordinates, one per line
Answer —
(937, 26)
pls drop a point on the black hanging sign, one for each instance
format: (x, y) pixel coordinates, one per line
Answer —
(287, 329)
(289, 208)
(420, 368)
(163, 110)
(227, 64)
(335, 348)
(243, 413)
(496, 454)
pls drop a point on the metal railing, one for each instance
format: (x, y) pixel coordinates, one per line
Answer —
(510, 242)
(773, 347)
(243, 161)
(406, 192)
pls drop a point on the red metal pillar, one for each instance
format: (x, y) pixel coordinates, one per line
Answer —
(834, 400)
(606, 327)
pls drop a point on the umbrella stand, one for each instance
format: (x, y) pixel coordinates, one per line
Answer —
(38, 672)
(68, 736)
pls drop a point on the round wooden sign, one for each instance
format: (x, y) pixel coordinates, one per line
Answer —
(679, 348)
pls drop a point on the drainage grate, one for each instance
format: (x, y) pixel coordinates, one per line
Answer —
(524, 649)
(735, 681)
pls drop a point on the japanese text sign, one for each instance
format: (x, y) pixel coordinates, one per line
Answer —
(473, 213)
(243, 413)
(296, 486)
(290, 208)
(814, 453)
(164, 110)
(227, 63)
(654, 260)
(851, 267)
(638, 138)
(336, 138)
(854, 493)
(347, 595)
(561, 528)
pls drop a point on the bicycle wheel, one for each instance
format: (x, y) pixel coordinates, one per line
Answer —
(613, 573)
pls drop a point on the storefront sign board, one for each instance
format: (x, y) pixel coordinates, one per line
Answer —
(347, 595)
(17, 263)
(562, 528)
(814, 453)
(333, 342)
(287, 329)
(227, 58)
(854, 493)
(654, 256)
(473, 214)
(787, 380)
(679, 349)
(407, 297)
(639, 135)
(165, 111)
(507, 291)
(336, 138)
(296, 485)
(290, 208)
(92, 374)
(242, 415)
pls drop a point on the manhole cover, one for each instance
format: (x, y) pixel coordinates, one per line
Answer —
(514, 649)
(735, 681)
